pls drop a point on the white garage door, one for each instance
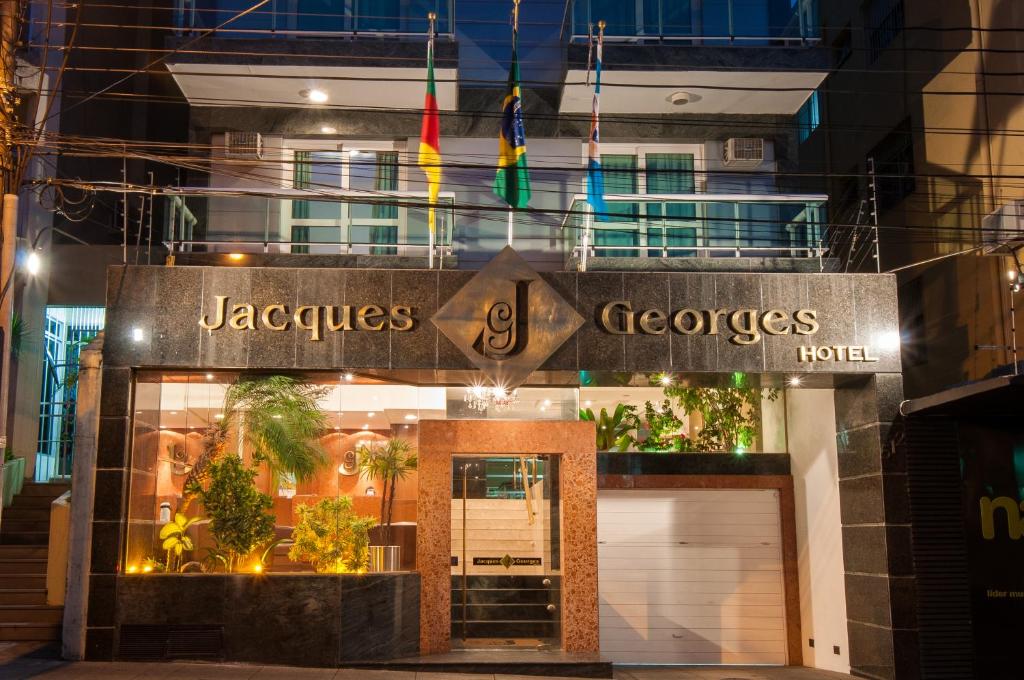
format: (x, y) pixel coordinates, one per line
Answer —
(691, 576)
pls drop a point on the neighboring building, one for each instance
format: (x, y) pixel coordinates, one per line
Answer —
(300, 247)
(927, 92)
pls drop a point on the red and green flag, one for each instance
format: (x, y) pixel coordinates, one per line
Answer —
(430, 138)
(512, 181)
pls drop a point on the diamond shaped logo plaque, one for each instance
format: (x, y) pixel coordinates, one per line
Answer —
(507, 320)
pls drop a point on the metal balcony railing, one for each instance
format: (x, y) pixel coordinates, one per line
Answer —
(697, 225)
(332, 222)
(315, 18)
(703, 22)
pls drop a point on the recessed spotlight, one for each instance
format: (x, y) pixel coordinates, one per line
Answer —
(410, 416)
(138, 413)
(328, 129)
(219, 416)
(794, 381)
(666, 380)
(547, 402)
(174, 413)
(366, 426)
(405, 427)
(138, 335)
(314, 95)
(588, 403)
(370, 414)
(163, 427)
(337, 427)
(209, 376)
(349, 377)
(237, 257)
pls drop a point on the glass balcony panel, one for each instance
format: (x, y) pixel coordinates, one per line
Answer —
(713, 21)
(291, 18)
(703, 225)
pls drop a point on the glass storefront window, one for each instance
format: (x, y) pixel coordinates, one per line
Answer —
(190, 429)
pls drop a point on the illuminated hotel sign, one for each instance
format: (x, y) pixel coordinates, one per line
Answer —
(507, 320)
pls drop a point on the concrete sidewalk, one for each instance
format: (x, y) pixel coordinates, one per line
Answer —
(21, 662)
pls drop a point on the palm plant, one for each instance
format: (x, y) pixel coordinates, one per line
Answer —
(387, 462)
(280, 419)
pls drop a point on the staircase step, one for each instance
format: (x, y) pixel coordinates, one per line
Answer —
(25, 596)
(52, 490)
(24, 537)
(23, 552)
(29, 632)
(23, 566)
(30, 502)
(40, 514)
(20, 581)
(30, 614)
(12, 524)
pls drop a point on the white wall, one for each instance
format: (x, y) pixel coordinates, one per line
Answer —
(812, 448)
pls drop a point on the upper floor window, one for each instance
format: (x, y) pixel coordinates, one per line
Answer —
(842, 47)
(883, 20)
(809, 116)
(668, 169)
(894, 166)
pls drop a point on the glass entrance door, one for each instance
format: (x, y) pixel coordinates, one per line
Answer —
(506, 564)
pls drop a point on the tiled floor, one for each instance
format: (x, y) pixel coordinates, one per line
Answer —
(21, 662)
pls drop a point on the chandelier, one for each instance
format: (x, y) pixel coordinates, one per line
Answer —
(497, 398)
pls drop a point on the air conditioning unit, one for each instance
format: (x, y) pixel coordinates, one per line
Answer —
(243, 145)
(1001, 230)
(743, 152)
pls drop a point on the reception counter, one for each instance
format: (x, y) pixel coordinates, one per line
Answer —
(287, 619)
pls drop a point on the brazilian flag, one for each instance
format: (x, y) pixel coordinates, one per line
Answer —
(512, 182)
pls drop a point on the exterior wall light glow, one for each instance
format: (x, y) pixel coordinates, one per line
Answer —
(236, 256)
(33, 263)
(209, 376)
(328, 130)
(794, 381)
(314, 95)
(138, 335)
(349, 377)
(665, 380)
(889, 341)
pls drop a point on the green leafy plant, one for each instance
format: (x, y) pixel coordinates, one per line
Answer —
(331, 536)
(241, 519)
(731, 415)
(664, 429)
(20, 332)
(615, 431)
(176, 539)
(281, 421)
(387, 462)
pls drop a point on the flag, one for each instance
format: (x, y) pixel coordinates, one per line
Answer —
(595, 178)
(430, 138)
(512, 181)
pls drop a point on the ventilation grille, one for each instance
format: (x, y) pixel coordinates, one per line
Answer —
(743, 151)
(939, 549)
(167, 643)
(243, 145)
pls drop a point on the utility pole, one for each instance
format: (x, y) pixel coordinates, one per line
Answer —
(8, 168)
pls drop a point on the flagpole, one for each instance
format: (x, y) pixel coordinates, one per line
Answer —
(432, 210)
(515, 31)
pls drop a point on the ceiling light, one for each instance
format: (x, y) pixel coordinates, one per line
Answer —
(366, 426)
(666, 380)
(370, 414)
(794, 381)
(209, 376)
(235, 256)
(174, 413)
(219, 416)
(547, 402)
(410, 416)
(314, 95)
(328, 130)
(337, 427)
(349, 377)
(588, 403)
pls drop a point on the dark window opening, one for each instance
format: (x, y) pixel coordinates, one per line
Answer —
(894, 167)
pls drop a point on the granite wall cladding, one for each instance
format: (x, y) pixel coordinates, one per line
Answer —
(302, 620)
(573, 442)
(153, 319)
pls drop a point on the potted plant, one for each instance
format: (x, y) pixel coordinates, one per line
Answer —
(664, 429)
(331, 537)
(241, 520)
(280, 420)
(614, 432)
(386, 462)
(176, 540)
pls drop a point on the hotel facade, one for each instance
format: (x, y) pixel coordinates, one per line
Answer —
(659, 438)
